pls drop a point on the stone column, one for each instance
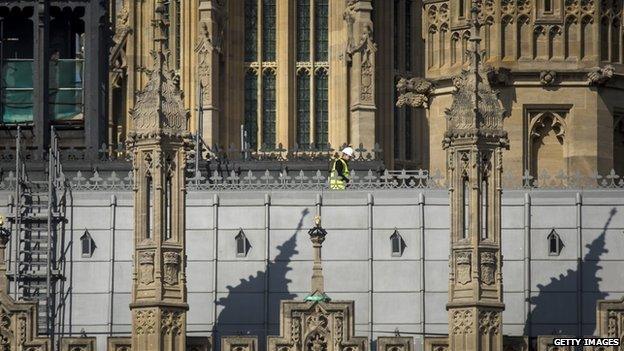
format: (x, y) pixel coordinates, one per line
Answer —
(41, 70)
(361, 50)
(317, 236)
(209, 51)
(474, 141)
(159, 141)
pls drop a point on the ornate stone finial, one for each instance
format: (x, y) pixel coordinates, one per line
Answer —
(159, 109)
(476, 110)
(317, 221)
(599, 76)
(317, 236)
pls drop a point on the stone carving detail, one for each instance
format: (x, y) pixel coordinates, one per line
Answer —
(159, 107)
(207, 44)
(599, 76)
(78, 344)
(338, 329)
(172, 267)
(367, 48)
(489, 322)
(171, 322)
(548, 77)
(490, 107)
(462, 260)
(462, 322)
(316, 341)
(145, 322)
(414, 92)
(295, 330)
(488, 267)
(349, 18)
(146, 267)
(553, 119)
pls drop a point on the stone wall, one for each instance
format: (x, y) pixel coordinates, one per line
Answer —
(389, 290)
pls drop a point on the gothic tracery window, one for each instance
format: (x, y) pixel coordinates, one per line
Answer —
(260, 110)
(546, 142)
(312, 65)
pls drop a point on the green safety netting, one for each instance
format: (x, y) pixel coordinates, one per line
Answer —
(66, 90)
(66, 80)
(17, 91)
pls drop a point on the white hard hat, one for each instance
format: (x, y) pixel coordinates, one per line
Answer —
(348, 151)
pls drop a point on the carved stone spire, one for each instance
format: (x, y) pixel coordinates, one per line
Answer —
(317, 236)
(474, 141)
(159, 108)
(159, 147)
(475, 105)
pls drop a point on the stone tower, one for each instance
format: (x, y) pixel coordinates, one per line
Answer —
(474, 142)
(159, 141)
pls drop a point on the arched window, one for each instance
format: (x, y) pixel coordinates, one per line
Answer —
(260, 66)
(303, 109)
(466, 207)
(397, 244)
(555, 245)
(321, 109)
(312, 65)
(242, 244)
(87, 245)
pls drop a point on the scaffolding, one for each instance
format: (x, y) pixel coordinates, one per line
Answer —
(38, 237)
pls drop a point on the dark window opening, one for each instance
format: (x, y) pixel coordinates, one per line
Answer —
(548, 6)
(555, 245)
(16, 84)
(87, 245)
(242, 244)
(67, 30)
(149, 197)
(397, 244)
(168, 209)
(466, 207)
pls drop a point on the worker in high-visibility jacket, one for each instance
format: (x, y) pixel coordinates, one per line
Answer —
(339, 175)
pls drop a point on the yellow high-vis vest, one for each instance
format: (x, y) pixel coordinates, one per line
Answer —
(335, 181)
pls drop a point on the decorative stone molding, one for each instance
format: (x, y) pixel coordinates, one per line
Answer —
(488, 267)
(119, 344)
(171, 267)
(600, 76)
(239, 343)
(395, 343)
(414, 92)
(436, 343)
(79, 344)
(554, 119)
(511, 343)
(462, 321)
(610, 318)
(199, 343)
(548, 77)
(463, 267)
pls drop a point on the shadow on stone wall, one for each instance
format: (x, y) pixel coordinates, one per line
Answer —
(239, 315)
(547, 305)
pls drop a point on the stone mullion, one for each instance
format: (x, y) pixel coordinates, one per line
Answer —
(285, 78)
(312, 118)
(260, 61)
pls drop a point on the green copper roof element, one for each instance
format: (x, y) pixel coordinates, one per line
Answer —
(317, 298)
